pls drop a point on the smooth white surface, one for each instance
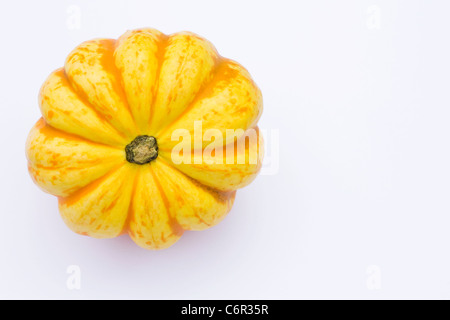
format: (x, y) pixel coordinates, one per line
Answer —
(362, 109)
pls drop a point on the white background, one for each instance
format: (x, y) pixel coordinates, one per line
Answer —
(359, 206)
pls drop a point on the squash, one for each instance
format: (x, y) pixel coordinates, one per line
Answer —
(105, 143)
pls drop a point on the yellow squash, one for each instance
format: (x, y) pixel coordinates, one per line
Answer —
(104, 145)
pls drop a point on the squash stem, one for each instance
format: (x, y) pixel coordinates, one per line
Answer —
(142, 150)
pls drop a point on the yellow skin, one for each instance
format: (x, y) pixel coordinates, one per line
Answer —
(145, 83)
